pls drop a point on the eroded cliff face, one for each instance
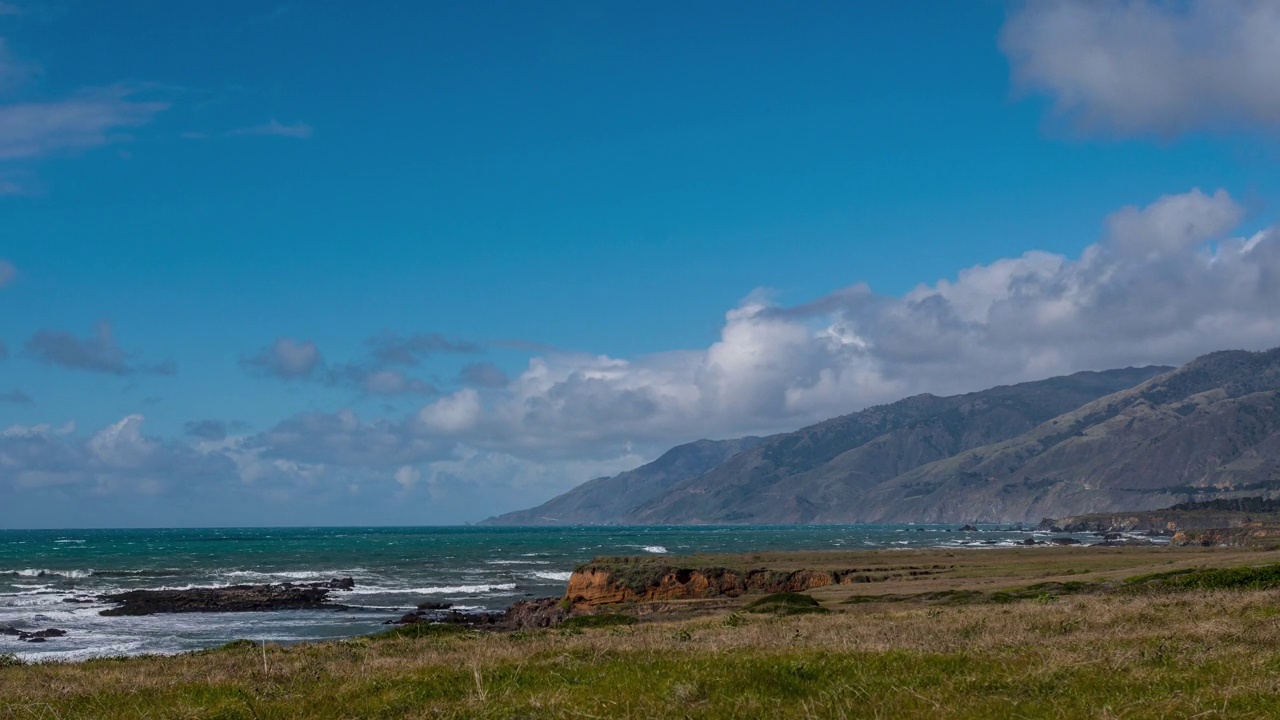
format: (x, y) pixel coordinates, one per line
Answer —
(612, 581)
(1248, 534)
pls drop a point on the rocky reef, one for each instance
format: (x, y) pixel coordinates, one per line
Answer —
(235, 598)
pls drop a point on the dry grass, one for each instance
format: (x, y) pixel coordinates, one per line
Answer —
(1166, 654)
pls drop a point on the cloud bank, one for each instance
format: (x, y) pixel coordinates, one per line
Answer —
(1142, 67)
(1165, 283)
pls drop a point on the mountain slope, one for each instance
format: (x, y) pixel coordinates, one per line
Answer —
(606, 499)
(822, 473)
(1209, 429)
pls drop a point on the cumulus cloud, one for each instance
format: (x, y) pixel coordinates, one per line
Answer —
(1166, 282)
(483, 374)
(1143, 67)
(97, 353)
(212, 430)
(286, 358)
(300, 131)
(378, 374)
(117, 458)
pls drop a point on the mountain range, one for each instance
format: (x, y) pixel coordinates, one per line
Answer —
(1126, 439)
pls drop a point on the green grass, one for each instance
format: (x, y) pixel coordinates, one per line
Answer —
(1237, 578)
(786, 603)
(599, 620)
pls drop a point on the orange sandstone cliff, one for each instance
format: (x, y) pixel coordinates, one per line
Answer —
(607, 581)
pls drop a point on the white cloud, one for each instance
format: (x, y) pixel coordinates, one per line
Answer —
(1142, 67)
(300, 131)
(286, 358)
(88, 119)
(7, 271)
(1165, 283)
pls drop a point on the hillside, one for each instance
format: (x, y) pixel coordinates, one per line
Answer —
(1209, 429)
(822, 473)
(607, 499)
(819, 472)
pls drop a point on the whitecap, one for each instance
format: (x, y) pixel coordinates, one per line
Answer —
(432, 590)
(657, 549)
(557, 576)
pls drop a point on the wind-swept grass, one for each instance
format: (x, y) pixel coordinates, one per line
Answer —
(1202, 642)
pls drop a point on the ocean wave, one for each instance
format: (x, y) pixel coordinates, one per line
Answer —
(657, 549)
(557, 576)
(40, 573)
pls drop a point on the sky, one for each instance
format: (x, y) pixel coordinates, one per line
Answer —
(422, 263)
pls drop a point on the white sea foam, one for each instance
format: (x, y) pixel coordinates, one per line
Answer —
(657, 549)
(432, 590)
(557, 576)
(40, 572)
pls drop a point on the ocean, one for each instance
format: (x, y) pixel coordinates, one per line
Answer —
(474, 568)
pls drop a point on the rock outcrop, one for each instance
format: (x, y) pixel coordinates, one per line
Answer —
(608, 581)
(522, 615)
(236, 598)
(1243, 535)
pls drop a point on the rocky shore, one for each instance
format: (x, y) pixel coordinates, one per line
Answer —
(235, 598)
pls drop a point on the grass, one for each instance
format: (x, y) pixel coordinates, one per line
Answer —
(599, 620)
(786, 603)
(1201, 641)
(1235, 578)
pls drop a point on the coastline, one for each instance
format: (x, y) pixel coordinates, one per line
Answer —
(966, 638)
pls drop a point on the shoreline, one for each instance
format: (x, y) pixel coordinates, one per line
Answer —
(1032, 632)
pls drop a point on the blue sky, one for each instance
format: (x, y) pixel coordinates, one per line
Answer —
(315, 263)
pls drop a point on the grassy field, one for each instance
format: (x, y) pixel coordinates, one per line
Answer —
(1179, 642)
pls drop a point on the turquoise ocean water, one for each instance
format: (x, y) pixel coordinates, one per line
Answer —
(394, 569)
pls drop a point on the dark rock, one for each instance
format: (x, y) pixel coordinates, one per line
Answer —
(434, 605)
(237, 598)
(40, 635)
(345, 583)
(10, 631)
(1064, 541)
(1031, 541)
(968, 528)
(539, 613)
(82, 601)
